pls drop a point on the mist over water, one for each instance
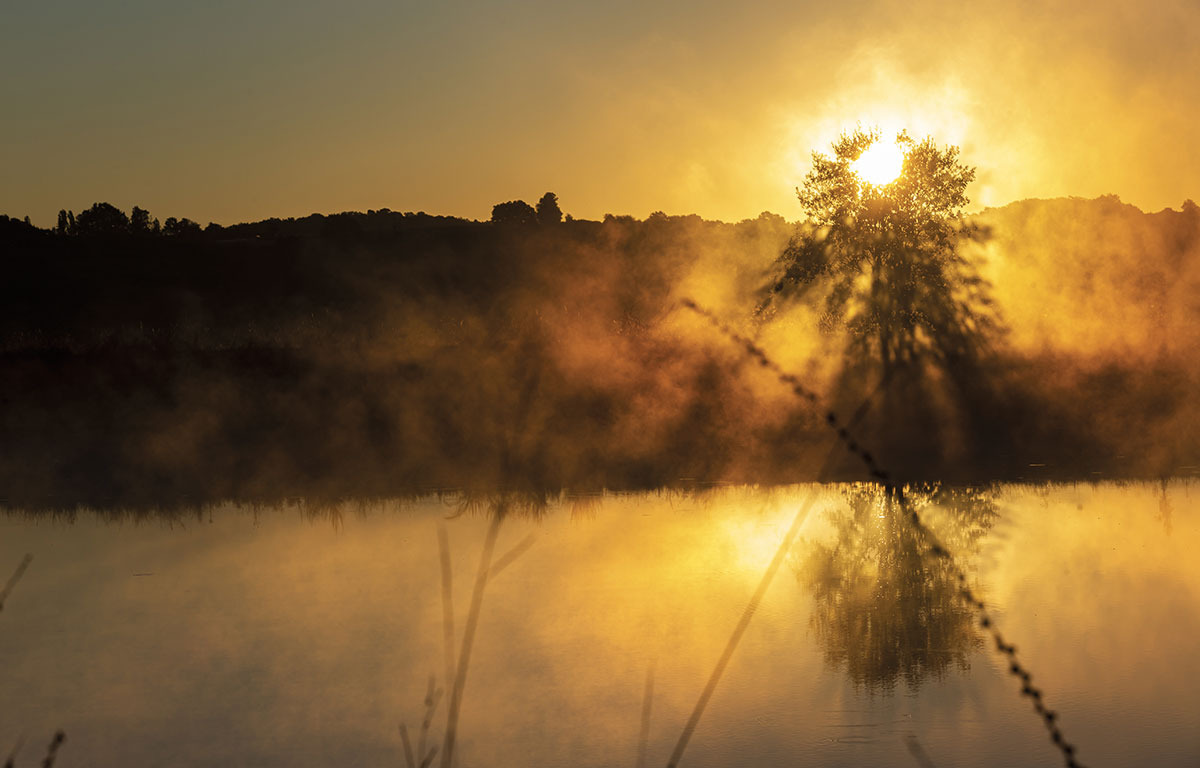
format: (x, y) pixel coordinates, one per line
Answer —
(377, 355)
(298, 636)
(341, 489)
(903, 483)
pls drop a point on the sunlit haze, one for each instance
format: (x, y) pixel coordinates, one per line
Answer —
(550, 383)
(880, 164)
(235, 112)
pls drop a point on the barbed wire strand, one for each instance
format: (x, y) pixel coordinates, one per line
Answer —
(934, 549)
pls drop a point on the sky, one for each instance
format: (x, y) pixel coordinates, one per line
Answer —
(236, 111)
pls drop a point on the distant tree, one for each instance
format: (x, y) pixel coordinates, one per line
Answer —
(21, 229)
(548, 211)
(102, 219)
(139, 221)
(180, 227)
(71, 222)
(341, 226)
(514, 212)
(612, 218)
(155, 227)
(63, 226)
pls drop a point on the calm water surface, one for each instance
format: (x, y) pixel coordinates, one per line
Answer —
(288, 637)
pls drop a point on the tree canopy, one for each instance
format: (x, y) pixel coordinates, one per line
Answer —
(514, 212)
(888, 255)
(101, 219)
(548, 211)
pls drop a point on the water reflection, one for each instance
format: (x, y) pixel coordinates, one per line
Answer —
(883, 611)
(1165, 509)
(495, 507)
(297, 638)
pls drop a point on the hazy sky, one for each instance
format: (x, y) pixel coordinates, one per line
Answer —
(233, 111)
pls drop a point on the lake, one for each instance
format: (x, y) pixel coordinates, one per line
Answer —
(307, 634)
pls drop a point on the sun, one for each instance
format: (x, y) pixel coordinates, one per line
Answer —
(880, 164)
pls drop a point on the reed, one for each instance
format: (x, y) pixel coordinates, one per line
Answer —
(457, 664)
(16, 577)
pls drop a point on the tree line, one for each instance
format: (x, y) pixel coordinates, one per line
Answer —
(107, 219)
(521, 213)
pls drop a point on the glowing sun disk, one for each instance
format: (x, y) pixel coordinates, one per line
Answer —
(880, 164)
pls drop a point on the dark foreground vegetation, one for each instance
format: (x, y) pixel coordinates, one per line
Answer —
(385, 353)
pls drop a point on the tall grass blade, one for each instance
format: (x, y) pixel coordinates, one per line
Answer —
(647, 703)
(464, 656)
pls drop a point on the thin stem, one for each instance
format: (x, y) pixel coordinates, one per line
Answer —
(507, 558)
(464, 656)
(12, 581)
(744, 622)
(408, 750)
(447, 600)
(647, 703)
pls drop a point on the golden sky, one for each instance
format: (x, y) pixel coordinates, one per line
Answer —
(231, 111)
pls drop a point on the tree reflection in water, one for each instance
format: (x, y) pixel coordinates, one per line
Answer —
(882, 609)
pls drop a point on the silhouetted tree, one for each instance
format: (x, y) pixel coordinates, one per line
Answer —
(548, 211)
(886, 264)
(890, 255)
(102, 219)
(514, 212)
(63, 225)
(180, 227)
(341, 226)
(19, 229)
(139, 221)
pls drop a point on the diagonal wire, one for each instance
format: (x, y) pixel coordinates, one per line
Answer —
(934, 549)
